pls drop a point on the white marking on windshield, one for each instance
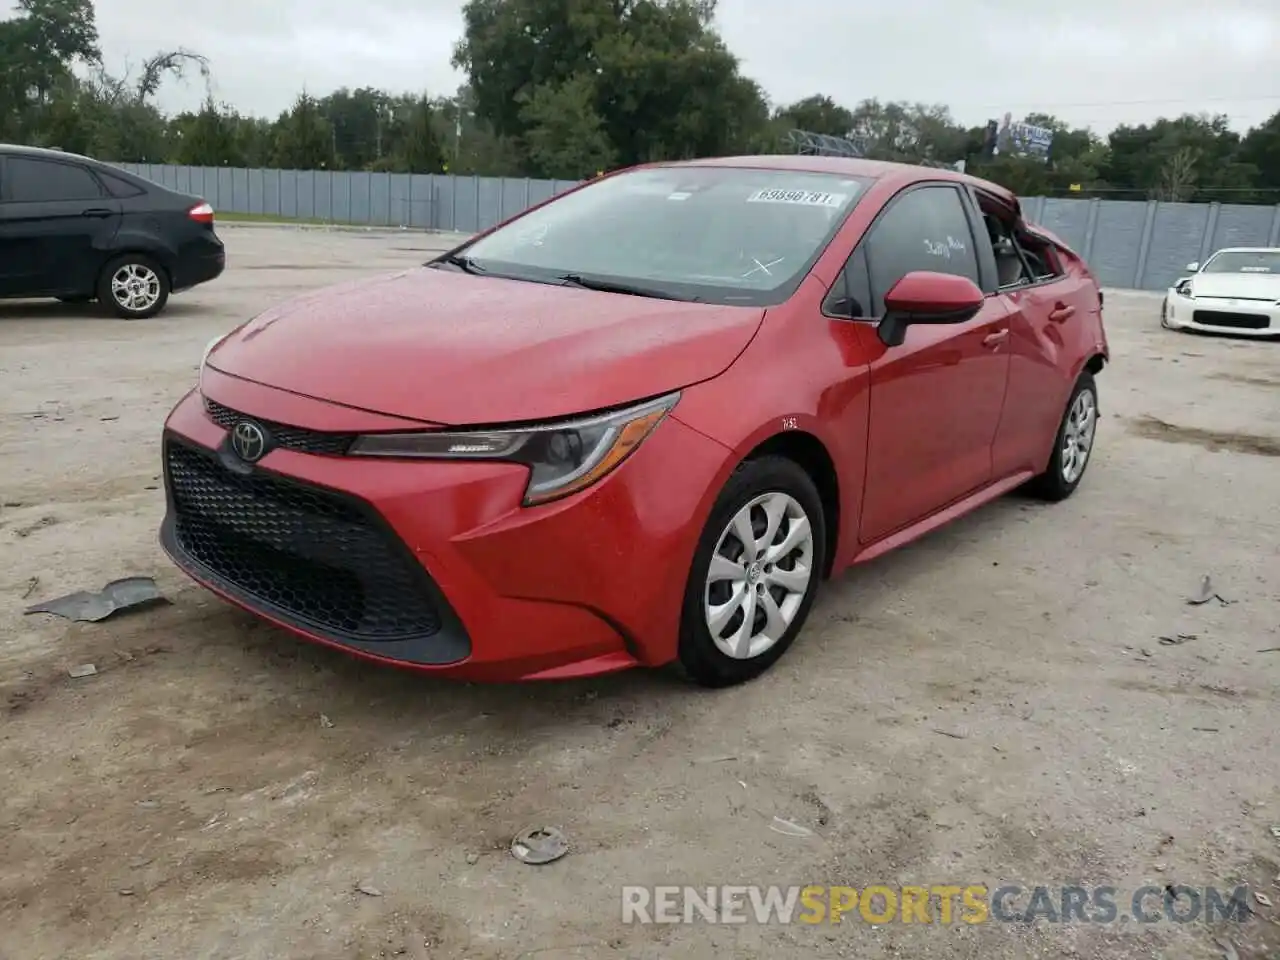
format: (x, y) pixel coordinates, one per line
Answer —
(805, 198)
(762, 266)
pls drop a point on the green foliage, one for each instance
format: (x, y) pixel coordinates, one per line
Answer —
(565, 88)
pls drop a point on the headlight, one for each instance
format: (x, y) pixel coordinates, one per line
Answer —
(208, 349)
(204, 358)
(1183, 289)
(562, 458)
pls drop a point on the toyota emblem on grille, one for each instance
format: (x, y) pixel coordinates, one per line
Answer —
(248, 441)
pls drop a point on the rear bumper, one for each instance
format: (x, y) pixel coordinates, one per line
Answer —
(199, 263)
(1247, 318)
(435, 566)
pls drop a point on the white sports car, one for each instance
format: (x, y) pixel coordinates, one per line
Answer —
(1237, 290)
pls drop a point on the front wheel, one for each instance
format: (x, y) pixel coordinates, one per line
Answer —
(755, 573)
(1073, 444)
(1164, 314)
(134, 287)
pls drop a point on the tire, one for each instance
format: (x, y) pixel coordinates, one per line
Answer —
(769, 482)
(1063, 475)
(1164, 313)
(133, 286)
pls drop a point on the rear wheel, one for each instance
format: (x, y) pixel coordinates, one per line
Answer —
(1073, 444)
(134, 286)
(755, 573)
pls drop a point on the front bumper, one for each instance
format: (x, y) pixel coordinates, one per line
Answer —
(435, 565)
(1250, 318)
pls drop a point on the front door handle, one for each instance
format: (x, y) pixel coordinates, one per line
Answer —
(99, 212)
(995, 339)
(1061, 313)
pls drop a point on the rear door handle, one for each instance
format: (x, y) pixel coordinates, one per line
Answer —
(1061, 312)
(995, 339)
(99, 212)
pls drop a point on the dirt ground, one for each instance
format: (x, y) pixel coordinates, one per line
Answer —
(992, 704)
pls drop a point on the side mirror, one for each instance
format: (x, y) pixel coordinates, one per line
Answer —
(1193, 266)
(927, 297)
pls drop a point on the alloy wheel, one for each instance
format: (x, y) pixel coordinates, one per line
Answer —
(759, 575)
(1077, 438)
(135, 287)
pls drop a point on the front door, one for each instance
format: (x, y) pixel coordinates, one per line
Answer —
(55, 227)
(936, 400)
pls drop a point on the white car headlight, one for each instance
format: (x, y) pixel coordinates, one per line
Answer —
(562, 458)
(204, 358)
(1183, 289)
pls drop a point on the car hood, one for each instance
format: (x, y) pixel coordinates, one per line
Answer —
(451, 348)
(1242, 286)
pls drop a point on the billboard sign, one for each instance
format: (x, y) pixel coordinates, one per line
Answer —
(1023, 139)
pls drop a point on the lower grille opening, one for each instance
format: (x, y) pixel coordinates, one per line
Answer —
(313, 555)
(1222, 318)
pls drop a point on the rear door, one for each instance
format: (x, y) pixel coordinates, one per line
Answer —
(1052, 300)
(57, 225)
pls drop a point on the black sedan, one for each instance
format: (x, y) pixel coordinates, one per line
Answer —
(80, 230)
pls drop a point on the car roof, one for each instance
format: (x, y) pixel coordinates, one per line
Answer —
(900, 174)
(25, 151)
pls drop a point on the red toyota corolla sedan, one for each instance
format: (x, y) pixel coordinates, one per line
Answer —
(638, 424)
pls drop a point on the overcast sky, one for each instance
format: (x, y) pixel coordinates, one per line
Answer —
(1097, 63)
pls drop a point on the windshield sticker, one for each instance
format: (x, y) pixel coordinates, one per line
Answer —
(805, 198)
(1255, 269)
(940, 248)
(680, 195)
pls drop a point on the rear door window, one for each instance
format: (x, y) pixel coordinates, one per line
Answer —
(40, 181)
(924, 229)
(118, 186)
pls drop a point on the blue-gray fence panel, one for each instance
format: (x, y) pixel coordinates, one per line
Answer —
(541, 191)
(422, 188)
(488, 201)
(1067, 218)
(1242, 227)
(466, 204)
(1117, 237)
(515, 197)
(1177, 234)
(380, 200)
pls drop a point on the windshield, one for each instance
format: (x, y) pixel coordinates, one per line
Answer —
(1245, 261)
(711, 234)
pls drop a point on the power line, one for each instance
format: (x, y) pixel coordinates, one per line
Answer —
(1039, 104)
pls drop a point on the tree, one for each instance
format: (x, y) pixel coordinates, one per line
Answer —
(1260, 149)
(304, 138)
(38, 49)
(654, 73)
(564, 135)
(817, 114)
(417, 148)
(361, 121)
(209, 138)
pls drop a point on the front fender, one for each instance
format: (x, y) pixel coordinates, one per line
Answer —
(802, 373)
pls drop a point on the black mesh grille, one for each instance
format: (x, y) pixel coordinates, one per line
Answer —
(282, 435)
(312, 554)
(1221, 318)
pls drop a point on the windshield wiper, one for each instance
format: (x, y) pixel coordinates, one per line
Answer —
(464, 263)
(608, 286)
